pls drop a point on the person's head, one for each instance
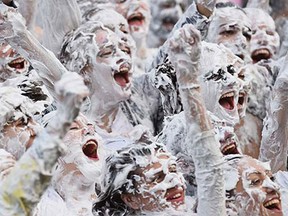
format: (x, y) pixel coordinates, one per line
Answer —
(111, 19)
(18, 129)
(137, 14)
(231, 27)
(11, 63)
(140, 177)
(84, 153)
(229, 143)
(165, 14)
(102, 57)
(265, 40)
(250, 187)
(220, 85)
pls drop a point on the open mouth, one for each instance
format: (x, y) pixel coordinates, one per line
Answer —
(90, 149)
(230, 148)
(122, 77)
(136, 19)
(227, 100)
(273, 204)
(18, 63)
(175, 195)
(241, 100)
(260, 54)
(168, 23)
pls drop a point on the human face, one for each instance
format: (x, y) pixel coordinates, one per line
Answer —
(137, 14)
(256, 193)
(165, 14)
(231, 27)
(84, 148)
(19, 136)
(112, 68)
(11, 63)
(265, 40)
(220, 84)
(158, 185)
(226, 136)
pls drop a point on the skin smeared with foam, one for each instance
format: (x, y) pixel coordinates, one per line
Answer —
(255, 192)
(274, 141)
(73, 183)
(231, 27)
(141, 179)
(18, 127)
(200, 142)
(265, 41)
(11, 63)
(20, 194)
(165, 14)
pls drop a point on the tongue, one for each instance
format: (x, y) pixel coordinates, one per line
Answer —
(226, 104)
(120, 80)
(135, 22)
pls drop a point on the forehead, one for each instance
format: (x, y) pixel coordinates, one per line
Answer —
(260, 19)
(230, 16)
(249, 165)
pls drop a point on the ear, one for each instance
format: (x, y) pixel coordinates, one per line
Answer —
(131, 201)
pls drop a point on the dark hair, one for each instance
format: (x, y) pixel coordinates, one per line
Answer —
(118, 178)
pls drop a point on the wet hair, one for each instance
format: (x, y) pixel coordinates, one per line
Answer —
(118, 177)
(78, 45)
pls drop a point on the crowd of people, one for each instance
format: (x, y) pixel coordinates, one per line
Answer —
(143, 107)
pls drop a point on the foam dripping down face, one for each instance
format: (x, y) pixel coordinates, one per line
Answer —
(256, 191)
(159, 185)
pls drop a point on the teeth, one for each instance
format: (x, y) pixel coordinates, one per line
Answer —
(241, 94)
(261, 52)
(176, 196)
(124, 70)
(272, 202)
(230, 94)
(18, 60)
(228, 148)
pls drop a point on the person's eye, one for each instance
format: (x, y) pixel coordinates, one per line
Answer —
(269, 32)
(105, 52)
(120, 1)
(126, 50)
(228, 32)
(74, 127)
(255, 182)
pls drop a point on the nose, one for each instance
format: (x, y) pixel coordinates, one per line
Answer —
(270, 186)
(88, 131)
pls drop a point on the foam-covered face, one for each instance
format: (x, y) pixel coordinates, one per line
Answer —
(245, 87)
(219, 82)
(84, 148)
(165, 14)
(158, 185)
(112, 66)
(256, 193)
(112, 20)
(11, 63)
(18, 135)
(225, 135)
(231, 27)
(137, 14)
(265, 40)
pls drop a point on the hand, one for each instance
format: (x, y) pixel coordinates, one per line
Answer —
(185, 49)
(7, 162)
(71, 92)
(11, 22)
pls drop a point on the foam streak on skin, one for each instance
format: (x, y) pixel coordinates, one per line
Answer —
(275, 135)
(47, 65)
(262, 4)
(200, 143)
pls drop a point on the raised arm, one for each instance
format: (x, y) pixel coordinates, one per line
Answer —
(201, 145)
(14, 31)
(274, 143)
(23, 187)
